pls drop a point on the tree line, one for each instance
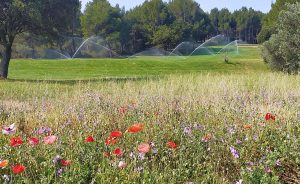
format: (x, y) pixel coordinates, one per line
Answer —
(50, 23)
(158, 23)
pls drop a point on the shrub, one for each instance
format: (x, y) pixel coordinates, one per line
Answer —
(282, 51)
(265, 34)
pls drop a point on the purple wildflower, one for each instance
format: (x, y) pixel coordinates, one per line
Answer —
(234, 152)
(43, 130)
(231, 130)
(187, 131)
(9, 130)
(154, 150)
(141, 156)
(255, 137)
(239, 141)
(60, 171)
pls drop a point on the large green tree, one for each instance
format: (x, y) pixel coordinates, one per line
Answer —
(146, 22)
(48, 18)
(96, 13)
(15, 17)
(165, 37)
(193, 21)
(282, 51)
(270, 20)
(101, 19)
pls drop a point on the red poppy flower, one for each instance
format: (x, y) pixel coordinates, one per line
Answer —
(110, 140)
(118, 152)
(65, 162)
(116, 134)
(136, 128)
(89, 139)
(144, 148)
(17, 169)
(34, 141)
(15, 141)
(171, 145)
(269, 116)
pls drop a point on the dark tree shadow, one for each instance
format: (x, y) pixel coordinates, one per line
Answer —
(72, 82)
(231, 63)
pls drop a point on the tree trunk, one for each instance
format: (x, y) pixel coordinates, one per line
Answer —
(5, 62)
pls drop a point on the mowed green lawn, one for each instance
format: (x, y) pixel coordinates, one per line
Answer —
(248, 60)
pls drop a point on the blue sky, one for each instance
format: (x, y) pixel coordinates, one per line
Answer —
(206, 5)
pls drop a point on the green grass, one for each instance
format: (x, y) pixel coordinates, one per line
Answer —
(87, 69)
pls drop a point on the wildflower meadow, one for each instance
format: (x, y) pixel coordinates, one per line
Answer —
(149, 92)
(204, 128)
